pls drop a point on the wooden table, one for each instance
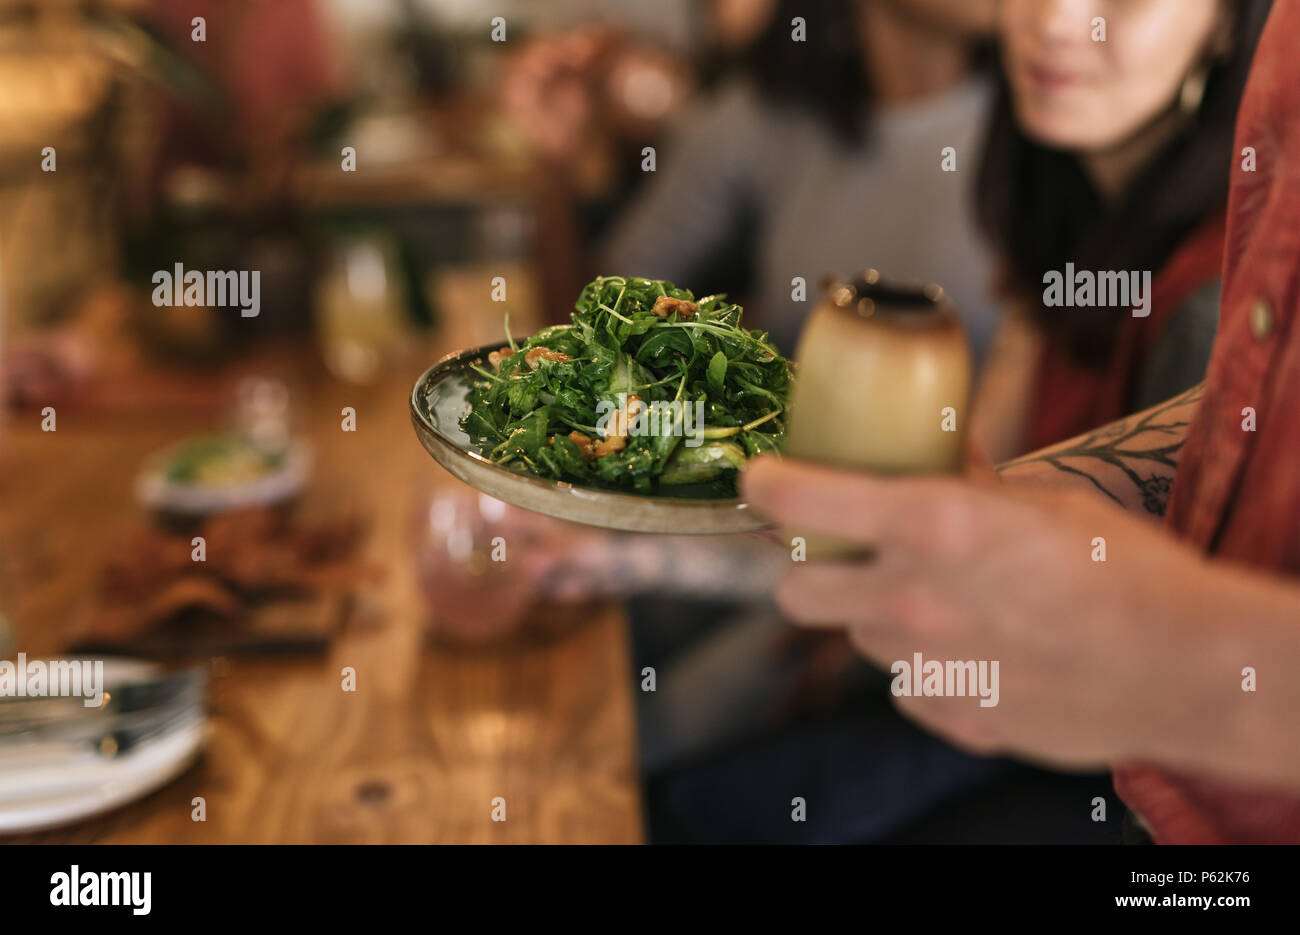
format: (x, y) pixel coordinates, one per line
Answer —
(431, 736)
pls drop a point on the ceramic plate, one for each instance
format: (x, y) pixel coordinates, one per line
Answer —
(47, 785)
(439, 400)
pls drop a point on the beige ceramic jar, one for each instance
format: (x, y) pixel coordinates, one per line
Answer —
(882, 384)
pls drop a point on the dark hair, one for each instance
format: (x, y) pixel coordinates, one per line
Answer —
(824, 75)
(1041, 210)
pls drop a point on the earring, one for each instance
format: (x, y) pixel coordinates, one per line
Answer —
(1192, 92)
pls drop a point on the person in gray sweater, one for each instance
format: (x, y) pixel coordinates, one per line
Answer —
(810, 180)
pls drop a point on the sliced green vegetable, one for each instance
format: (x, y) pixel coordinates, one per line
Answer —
(618, 347)
(702, 464)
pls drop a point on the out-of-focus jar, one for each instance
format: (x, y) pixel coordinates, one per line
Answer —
(883, 383)
(58, 182)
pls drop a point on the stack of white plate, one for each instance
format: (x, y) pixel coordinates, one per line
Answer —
(61, 761)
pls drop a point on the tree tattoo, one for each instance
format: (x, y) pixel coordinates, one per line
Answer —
(1141, 450)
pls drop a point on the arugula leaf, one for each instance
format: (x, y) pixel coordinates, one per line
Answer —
(717, 374)
(618, 347)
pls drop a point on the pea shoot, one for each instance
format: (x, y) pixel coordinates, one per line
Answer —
(647, 389)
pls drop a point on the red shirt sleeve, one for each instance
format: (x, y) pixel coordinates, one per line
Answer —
(1237, 492)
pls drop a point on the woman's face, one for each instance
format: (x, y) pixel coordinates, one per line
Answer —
(1075, 92)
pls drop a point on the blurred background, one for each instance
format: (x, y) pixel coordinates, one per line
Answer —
(471, 157)
(381, 164)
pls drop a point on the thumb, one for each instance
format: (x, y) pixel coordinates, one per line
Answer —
(976, 466)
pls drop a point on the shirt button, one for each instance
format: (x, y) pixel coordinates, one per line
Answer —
(1261, 320)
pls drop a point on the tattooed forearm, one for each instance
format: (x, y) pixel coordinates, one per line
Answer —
(1132, 461)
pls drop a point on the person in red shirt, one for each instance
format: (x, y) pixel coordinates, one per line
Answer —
(1168, 654)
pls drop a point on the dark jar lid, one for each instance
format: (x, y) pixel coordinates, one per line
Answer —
(869, 296)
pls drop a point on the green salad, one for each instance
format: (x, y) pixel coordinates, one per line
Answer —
(647, 388)
(221, 460)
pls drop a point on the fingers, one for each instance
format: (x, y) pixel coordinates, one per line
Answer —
(927, 514)
(967, 727)
(881, 644)
(879, 598)
(977, 468)
(889, 608)
(830, 594)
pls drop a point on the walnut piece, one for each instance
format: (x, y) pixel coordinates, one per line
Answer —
(664, 307)
(538, 354)
(586, 447)
(616, 429)
(610, 445)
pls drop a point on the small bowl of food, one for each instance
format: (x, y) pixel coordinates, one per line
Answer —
(216, 473)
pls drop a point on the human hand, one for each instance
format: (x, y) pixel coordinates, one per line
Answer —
(548, 90)
(45, 368)
(1098, 661)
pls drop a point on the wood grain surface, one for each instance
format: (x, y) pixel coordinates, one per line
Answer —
(431, 735)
